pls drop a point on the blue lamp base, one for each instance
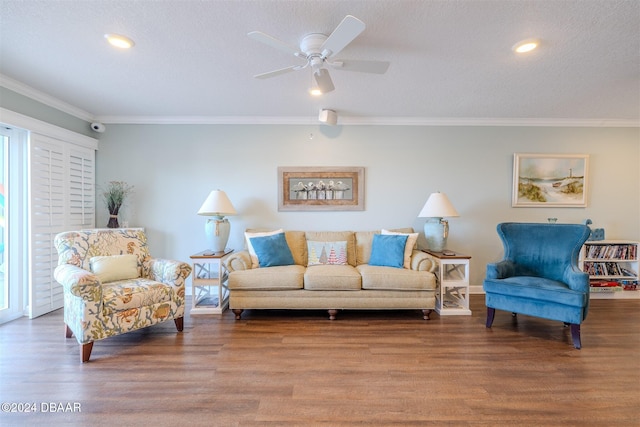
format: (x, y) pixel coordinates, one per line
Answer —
(435, 231)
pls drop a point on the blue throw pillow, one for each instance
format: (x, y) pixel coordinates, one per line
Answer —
(272, 250)
(387, 250)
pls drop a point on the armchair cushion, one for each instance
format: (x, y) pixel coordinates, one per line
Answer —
(128, 295)
(538, 288)
(115, 267)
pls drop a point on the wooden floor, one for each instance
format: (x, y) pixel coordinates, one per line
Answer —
(374, 368)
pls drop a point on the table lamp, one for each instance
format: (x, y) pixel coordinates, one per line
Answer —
(436, 229)
(217, 205)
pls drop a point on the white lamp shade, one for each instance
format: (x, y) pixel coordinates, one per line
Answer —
(438, 206)
(217, 204)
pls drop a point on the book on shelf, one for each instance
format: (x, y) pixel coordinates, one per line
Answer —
(608, 269)
(612, 251)
(604, 284)
(628, 272)
(604, 289)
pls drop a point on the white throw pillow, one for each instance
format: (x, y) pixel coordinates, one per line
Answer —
(114, 267)
(255, 263)
(412, 242)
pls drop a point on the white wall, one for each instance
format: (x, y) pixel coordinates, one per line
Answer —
(173, 168)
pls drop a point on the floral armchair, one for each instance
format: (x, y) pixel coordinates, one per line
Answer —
(113, 286)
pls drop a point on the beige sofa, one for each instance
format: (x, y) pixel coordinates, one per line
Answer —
(354, 285)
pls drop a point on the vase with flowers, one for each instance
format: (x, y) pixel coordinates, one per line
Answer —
(114, 196)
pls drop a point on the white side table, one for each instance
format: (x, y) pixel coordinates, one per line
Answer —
(209, 288)
(452, 297)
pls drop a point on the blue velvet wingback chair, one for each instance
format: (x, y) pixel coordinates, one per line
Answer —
(539, 274)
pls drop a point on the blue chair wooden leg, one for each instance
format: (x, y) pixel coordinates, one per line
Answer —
(575, 335)
(491, 313)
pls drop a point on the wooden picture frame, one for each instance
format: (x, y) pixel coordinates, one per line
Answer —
(320, 188)
(550, 180)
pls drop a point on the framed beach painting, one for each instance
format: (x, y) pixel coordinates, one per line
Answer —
(320, 188)
(550, 180)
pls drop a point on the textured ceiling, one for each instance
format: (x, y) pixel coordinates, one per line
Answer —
(450, 60)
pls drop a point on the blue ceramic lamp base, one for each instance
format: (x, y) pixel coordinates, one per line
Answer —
(436, 231)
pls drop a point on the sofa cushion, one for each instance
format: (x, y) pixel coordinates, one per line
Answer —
(281, 277)
(297, 242)
(337, 236)
(389, 278)
(332, 277)
(363, 246)
(114, 267)
(327, 253)
(388, 250)
(272, 250)
(412, 243)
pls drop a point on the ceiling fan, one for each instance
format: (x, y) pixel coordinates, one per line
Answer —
(319, 49)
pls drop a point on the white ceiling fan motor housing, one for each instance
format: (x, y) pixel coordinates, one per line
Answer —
(312, 43)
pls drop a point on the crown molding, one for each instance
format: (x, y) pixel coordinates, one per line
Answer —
(44, 98)
(53, 102)
(354, 120)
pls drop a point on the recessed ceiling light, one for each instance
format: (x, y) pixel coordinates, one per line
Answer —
(119, 41)
(525, 45)
(315, 91)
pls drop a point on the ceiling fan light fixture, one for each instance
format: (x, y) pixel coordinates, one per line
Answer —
(323, 79)
(525, 46)
(119, 41)
(315, 91)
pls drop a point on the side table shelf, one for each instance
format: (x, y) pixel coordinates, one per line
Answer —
(452, 294)
(209, 289)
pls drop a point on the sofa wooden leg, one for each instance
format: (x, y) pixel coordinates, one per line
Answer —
(67, 331)
(575, 335)
(426, 314)
(237, 312)
(491, 313)
(179, 321)
(332, 314)
(85, 351)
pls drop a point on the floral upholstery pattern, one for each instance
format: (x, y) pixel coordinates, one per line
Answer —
(95, 310)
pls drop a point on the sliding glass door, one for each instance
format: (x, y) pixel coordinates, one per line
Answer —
(4, 166)
(13, 222)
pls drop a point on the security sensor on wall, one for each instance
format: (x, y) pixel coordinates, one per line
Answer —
(329, 117)
(98, 127)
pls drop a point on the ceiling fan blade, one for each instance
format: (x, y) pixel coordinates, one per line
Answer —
(345, 33)
(323, 79)
(273, 42)
(277, 72)
(375, 67)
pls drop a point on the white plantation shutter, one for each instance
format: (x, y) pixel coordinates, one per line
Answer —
(61, 197)
(82, 206)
